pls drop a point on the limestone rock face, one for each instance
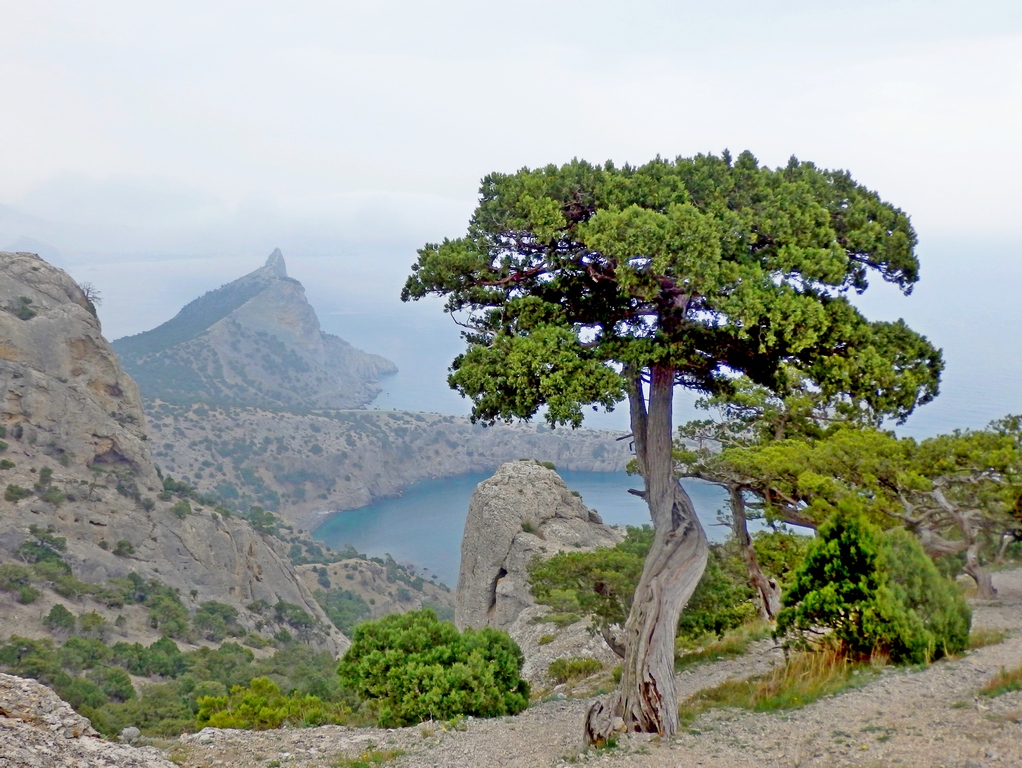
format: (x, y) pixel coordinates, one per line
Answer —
(60, 383)
(522, 511)
(75, 449)
(253, 342)
(39, 730)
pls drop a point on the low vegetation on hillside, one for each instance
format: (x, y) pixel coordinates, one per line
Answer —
(400, 670)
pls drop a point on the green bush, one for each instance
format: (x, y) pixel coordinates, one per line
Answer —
(722, 600)
(166, 611)
(215, 621)
(93, 625)
(344, 609)
(124, 548)
(780, 553)
(261, 706)
(413, 667)
(181, 509)
(16, 492)
(17, 579)
(878, 593)
(59, 619)
(6, 464)
(602, 583)
(105, 695)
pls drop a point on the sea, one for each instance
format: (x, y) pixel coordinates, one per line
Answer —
(423, 526)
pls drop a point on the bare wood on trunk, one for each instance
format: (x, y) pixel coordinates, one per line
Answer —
(646, 700)
(970, 535)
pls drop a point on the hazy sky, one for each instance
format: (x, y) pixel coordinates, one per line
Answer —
(164, 148)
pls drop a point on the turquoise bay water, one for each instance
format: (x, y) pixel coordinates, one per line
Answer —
(424, 526)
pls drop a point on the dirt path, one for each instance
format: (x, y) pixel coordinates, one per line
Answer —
(929, 717)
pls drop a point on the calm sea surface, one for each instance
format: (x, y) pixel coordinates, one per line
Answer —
(424, 526)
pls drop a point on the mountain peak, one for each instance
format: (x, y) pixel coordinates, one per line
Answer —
(275, 264)
(254, 341)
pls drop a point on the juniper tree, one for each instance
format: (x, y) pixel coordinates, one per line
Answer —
(585, 285)
(955, 492)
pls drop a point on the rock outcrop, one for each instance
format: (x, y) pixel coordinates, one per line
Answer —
(61, 387)
(74, 459)
(253, 342)
(524, 510)
(39, 730)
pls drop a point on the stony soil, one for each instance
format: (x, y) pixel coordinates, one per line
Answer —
(38, 730)
(911, 717)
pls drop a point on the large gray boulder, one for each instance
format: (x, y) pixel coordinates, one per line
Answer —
(525, 510)
(61, 386)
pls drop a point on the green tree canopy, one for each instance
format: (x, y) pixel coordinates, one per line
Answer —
(581, 285)
(707, 265)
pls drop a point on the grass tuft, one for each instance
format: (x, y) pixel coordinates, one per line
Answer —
(1005, 681)
(570, 670)
(803, 679)
(980, 638)
(369, 759)
(732, 644)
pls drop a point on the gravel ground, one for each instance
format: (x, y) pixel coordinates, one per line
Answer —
(930, 717)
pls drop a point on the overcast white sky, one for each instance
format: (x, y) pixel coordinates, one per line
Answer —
(163, 148)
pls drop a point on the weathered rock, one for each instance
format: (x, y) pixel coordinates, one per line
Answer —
(525, 510)
(60, 382)
(39, 730)
(66, 406)
(253, 342)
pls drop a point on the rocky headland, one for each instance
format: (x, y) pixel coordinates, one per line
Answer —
(306, 465)
(253, 342)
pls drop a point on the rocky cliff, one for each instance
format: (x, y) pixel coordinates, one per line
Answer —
(75, 463)
(61, 388)
(525, 510)
(255, 342)
(305, 466)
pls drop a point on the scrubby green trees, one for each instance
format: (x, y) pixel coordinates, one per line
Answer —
(955, 492)
(584, 285)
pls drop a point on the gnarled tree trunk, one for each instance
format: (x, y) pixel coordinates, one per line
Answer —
(768, 592)
(970, 535)
(646, 700)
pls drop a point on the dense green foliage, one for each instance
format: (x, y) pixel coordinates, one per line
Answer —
(413, 667)
(601, 583)
(706, 265)
(877, 593)
(261, 705)
(344, 608)
(94, 678)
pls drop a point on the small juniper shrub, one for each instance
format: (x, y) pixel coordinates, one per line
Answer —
(877, 593)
